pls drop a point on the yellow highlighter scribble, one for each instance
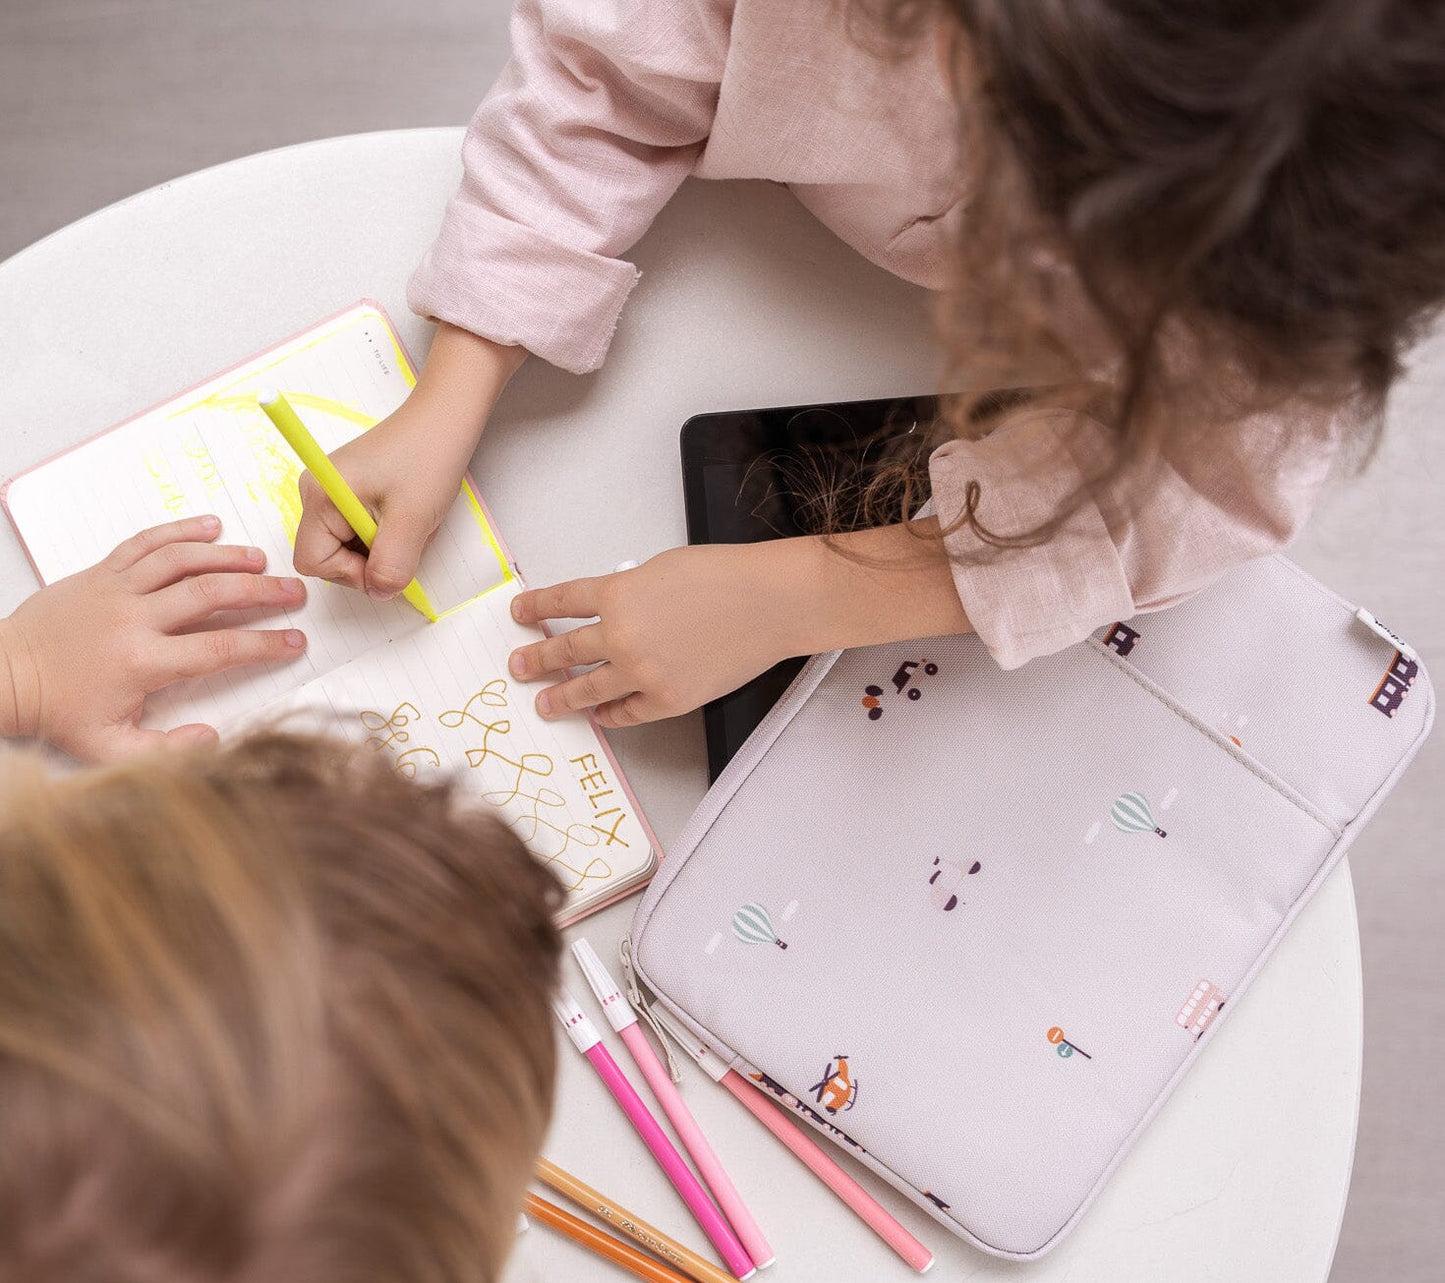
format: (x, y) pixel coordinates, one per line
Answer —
(274, 485)
(277, 478)
(202, 464)
(278, 473)
(325, 404)
(172, 496)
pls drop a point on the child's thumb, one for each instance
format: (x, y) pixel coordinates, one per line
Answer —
(395, 553)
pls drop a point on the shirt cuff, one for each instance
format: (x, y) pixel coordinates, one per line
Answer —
(511, 284)
(1026, 602)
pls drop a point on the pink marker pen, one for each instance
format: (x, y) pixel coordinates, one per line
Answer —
(621, 1017)
(776, 1119)
(588, 1041)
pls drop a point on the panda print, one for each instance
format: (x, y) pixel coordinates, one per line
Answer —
(945, 880)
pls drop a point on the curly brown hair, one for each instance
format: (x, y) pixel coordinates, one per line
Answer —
(1248, 200)
(266, 1012)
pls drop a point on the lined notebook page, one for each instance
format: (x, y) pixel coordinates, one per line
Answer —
(440, 702)
(212, 450)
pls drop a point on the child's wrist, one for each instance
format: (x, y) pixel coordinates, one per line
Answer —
(17, 685)
(463, 377)
(860, 589)
(794, 595)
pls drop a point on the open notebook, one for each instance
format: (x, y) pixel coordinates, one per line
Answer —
(434, 697)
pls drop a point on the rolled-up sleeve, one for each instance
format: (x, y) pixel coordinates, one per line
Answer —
(598, 116)
(1132, 546)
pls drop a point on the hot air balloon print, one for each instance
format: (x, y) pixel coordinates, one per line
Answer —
(752, 925)
(1131, 814)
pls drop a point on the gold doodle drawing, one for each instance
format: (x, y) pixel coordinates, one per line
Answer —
(408, 769)
(493, 695)
(546, 839)
(408, 761)
(404, 714)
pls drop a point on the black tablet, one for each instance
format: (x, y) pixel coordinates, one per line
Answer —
(793, 470)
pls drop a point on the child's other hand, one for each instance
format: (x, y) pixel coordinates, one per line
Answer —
(684, 628)
(407, 473)
(79, 657)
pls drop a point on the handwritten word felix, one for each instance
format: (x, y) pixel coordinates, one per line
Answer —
(595, 778)
(524, 789)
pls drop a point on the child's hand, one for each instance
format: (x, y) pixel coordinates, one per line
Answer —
(79, 657)
(407, 472)
(408, 469)
(686, 627)
(695, 623)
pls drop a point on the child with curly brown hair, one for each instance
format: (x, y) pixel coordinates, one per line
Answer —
(1202, 236)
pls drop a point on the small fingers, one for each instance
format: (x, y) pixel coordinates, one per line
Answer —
(596, 686)
(192, 735)
(566, 650)
(187, 530)
(178, 561)
(630, 710)
(323, 540)
(116, 742)
(575, 599)
(201, 596)
(396, 551)
(126, 739)
(202, 654)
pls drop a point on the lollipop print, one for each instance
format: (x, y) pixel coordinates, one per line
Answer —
(1131, 814)
(752, 925)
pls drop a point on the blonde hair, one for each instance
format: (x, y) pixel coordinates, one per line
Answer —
(266, 1013)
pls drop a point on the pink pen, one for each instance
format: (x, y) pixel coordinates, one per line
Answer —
(588, 1041)
(867, 1208)
(621, 1017)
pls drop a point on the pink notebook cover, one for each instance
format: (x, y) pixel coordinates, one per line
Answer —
(470, 484)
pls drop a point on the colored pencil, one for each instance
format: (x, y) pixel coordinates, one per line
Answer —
(613, 1249)
(676, 1254)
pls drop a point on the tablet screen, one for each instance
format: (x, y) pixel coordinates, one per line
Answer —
(792, 470)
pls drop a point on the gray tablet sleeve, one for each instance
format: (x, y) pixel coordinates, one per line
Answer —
(974, 925)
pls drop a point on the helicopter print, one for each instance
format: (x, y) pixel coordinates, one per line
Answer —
(838, 1092)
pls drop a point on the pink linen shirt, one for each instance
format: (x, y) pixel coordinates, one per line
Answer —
(607, 105)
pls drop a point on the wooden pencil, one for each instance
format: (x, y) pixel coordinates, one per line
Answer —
(612, 1249)
(618, 1217)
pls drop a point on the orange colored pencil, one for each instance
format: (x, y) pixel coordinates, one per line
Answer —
(614, 1249)
(617, 1217)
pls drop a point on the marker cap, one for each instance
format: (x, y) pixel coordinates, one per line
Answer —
(574, 1020)
(713, 1065)
(614, 1005)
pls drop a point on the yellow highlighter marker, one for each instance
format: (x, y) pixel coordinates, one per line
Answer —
(333, 484)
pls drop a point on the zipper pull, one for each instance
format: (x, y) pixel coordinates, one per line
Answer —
(640, 1005)
(1379, 629)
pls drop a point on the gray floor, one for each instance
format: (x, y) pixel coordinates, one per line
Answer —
(101, 98)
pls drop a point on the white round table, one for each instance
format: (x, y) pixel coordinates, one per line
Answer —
(745, 301)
